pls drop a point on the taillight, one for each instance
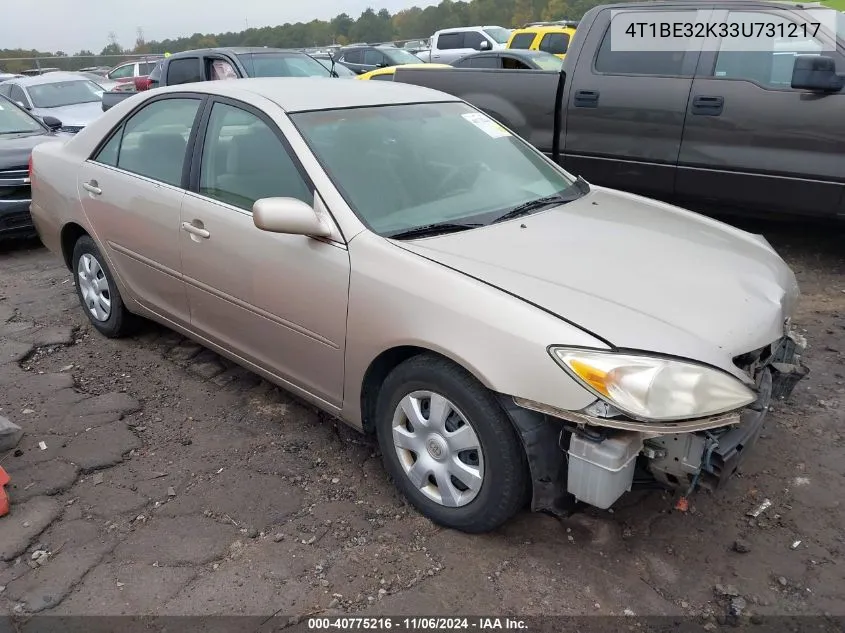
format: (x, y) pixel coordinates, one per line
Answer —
(30, 167)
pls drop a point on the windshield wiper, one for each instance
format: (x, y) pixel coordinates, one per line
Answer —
(580, 187)
(432, 229)
(18, 132)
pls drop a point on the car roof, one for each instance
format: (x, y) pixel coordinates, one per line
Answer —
(545, 28)
(469, 28)
(297, 94)
(234, 50)
(49, 78)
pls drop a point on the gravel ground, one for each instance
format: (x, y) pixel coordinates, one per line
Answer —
(175, 483)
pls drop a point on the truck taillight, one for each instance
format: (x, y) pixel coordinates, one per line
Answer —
(30, 168)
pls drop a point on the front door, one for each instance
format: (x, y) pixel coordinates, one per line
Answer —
(132, 190)
(625, 108)
(751, 140)
(277, 301)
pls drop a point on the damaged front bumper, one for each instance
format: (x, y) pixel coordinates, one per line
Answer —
(597, 457)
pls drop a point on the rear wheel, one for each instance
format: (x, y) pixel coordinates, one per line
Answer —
(98, 292)
(449, 446)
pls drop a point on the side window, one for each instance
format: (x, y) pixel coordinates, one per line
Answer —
(509, 63)
(353, 57)
(555, 43)
(623, 62)
(485, 61)
(523, 41)
(155, 139)
(373, 58)
(243, 161)
(771, 67)
(108, 153)
(17, 95)
(450, 41)
(473, 39)
(183, 71)
(122, 72)
(220, 69)
(145, 68)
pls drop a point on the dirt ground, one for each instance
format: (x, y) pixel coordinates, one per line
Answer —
(174, 483)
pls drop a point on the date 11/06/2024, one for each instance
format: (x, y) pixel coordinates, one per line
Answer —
(405, 623)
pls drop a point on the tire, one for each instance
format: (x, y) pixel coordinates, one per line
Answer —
(499, 464)
(118, 320)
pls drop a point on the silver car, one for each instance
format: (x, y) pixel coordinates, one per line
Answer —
(72, 99)
(397, 258)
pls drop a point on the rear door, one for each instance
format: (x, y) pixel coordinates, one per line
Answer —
(131, 190)
(452, 46)
(624, 115)
(752, 141)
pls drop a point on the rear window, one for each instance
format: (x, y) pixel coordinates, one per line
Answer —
(555, 43)
(522, 40)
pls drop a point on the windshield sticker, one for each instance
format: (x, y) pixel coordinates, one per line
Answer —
(486, 125)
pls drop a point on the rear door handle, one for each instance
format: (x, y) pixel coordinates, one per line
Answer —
(91, 187)
(586, 98)
(195, 230)
(708, 106)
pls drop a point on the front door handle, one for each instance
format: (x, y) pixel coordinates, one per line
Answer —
(91, 187)
(195, 230)
(586, 99)
(708, 106)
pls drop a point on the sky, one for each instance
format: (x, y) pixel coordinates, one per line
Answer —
(73, 25)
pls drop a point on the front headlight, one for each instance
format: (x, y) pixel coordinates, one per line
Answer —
(651, 388)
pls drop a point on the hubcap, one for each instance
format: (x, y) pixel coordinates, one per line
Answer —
(94, 287)
(438, 449)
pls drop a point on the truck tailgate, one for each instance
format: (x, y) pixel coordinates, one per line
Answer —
(523, 100)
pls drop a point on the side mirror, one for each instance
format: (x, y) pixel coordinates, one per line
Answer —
(484, 46)
(290, 216)
(52, 122)
(816, 73)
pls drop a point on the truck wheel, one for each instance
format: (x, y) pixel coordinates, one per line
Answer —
(98, 292)
(449, 446)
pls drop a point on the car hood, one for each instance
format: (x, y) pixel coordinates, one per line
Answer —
(77, 115)
(638, 273)
(15, 150)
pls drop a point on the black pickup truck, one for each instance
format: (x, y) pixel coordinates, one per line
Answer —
(710, 127)
(226, 63)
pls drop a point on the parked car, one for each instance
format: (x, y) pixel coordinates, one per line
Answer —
(550, 37)
(34, 72)
(362, 59)
(128, 71)
(511, 60)
(72, 99)
(448, 45)
(19, 133)
(386, 74)
(339, 68)
(448, 310)
(226, 63)
(749, 132)
(104, 83)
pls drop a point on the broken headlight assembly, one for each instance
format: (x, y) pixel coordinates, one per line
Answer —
(652, 388)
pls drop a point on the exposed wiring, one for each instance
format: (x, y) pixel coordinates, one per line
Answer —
(711, 445)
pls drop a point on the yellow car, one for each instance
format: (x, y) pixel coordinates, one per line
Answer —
(551, 38)
(386, 74)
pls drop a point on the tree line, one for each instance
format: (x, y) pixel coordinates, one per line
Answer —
(370, 26)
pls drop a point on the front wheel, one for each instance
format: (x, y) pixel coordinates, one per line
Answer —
(449, 446)
(98, 292)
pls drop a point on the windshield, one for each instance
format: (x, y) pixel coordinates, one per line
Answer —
(401, 167)
(282, 65)
(14, 121)
(340, 69)
(64, 93)
(399, 57)
(498, 34)
(547, 61)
